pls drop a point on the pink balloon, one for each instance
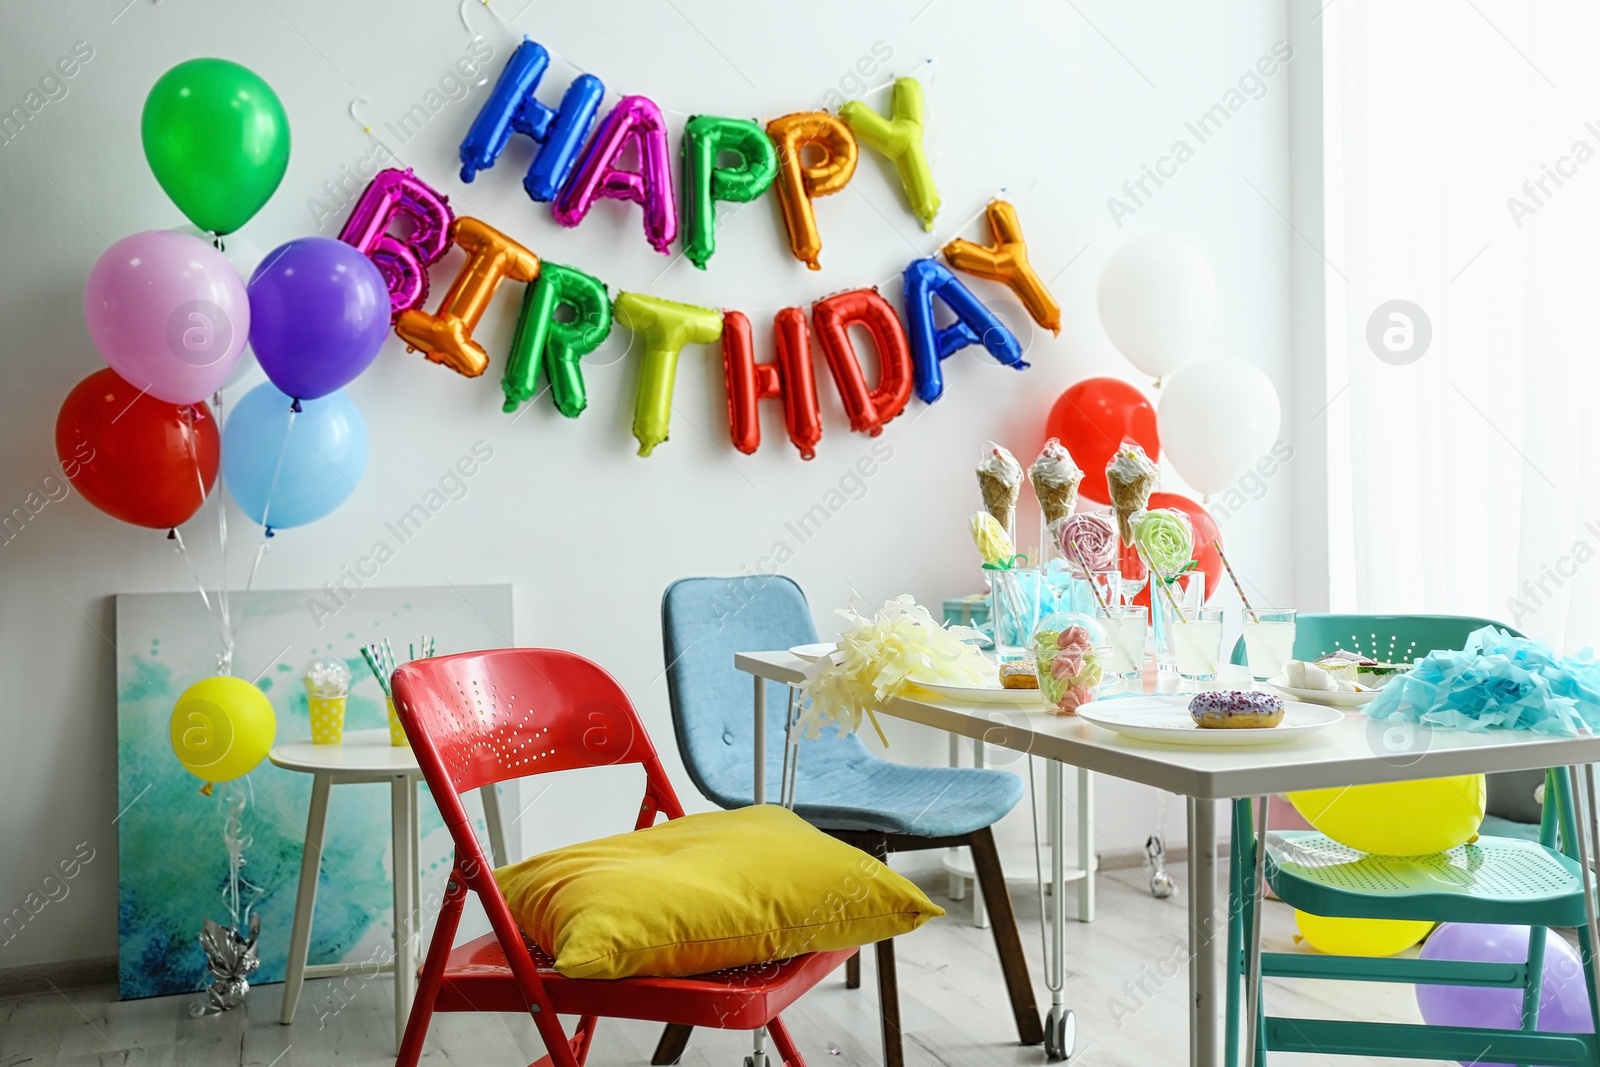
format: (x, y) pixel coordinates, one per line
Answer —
(637, 119)
(169, 314)
(402, 261)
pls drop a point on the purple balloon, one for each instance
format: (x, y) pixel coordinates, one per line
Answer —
(1563, 1000)
(169, 314)
(319, 313)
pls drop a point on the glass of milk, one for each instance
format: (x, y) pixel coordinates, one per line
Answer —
(1197, 643)
(1268, 642)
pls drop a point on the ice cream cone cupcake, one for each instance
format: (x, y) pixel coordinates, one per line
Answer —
(1055, 479)
(1000, 479)
(1131, 478)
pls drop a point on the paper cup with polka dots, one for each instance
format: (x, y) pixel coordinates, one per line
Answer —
(397, 733)
(327, 720)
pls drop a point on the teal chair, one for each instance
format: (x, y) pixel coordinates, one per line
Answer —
(1496, 879)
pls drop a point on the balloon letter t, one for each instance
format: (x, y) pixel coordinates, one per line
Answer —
(666, 326)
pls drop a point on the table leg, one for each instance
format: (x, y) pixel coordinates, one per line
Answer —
(305, 903)
(760, 791)
(1057, 974)
(496, 827)
(1203, 1000)
(1085, 846)
(404, 836)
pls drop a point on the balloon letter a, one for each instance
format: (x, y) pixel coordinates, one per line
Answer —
(446, 336)
(512, 108)
(665, 326)
(975, 324)
(1006, 261)
(899, 138)
(637, 120)
(790, 377)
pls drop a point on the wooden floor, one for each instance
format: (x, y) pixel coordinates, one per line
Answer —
(953, 1004)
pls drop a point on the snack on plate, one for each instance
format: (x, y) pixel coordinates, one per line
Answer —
(1298, 674)
(1019, 674)
(1055, 479)
(1235, 709)
(1000, 479)
(1378, 675)
(1087, 537)
(1131, 478)
(1165, 539)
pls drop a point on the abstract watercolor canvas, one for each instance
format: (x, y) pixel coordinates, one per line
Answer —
(173, 865)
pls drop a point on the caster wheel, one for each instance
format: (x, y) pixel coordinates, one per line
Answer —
(1060, 1035)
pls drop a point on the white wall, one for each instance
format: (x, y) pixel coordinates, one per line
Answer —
(1057, 104)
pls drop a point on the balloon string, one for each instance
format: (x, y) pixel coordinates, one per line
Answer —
(266, 513)
(222, 536)
(205, 598)
(220, 620)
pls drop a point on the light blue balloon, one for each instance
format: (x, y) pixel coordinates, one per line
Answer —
(324, 454)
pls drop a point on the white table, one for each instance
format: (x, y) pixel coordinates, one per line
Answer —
(1349, 753)
(366, 756)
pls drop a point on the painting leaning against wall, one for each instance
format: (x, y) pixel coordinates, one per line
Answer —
(172, 862)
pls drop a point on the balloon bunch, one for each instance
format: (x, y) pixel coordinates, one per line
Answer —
(143, 439)
(1218, 417)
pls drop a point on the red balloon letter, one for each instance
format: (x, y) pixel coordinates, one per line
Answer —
(790, 376)
(833, 318)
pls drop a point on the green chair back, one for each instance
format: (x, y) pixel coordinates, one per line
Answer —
(1389, 638)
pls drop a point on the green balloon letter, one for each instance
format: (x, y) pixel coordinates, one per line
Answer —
(704, 182)
(540, 337)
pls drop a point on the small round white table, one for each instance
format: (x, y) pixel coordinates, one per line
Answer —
(366, 756)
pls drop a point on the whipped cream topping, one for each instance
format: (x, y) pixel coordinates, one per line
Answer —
(1001, 465)
(1054, 466)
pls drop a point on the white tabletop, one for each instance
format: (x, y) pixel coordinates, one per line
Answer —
(1352, 752)
(364, 753)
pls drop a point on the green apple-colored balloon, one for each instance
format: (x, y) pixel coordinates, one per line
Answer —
(217, 139)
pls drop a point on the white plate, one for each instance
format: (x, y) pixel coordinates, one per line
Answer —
(812, 653)
(982, 694)
(1166, 720)
(1323, 696)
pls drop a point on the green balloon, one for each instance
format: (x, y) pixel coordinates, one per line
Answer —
(704, 182)
(217, 139)
(559, 346)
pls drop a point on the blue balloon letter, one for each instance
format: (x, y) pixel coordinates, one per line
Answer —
(512, 108)
(975, 325)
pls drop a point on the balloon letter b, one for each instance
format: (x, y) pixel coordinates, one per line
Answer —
(799, 184)
(975, 324)
(636, 120)
(666, 327)
(868, 410)
(899, 138)
(790, 377)
(1006, 261)
(403, 262)
(446, 336)
(704, 182)
(512, 108)
(558, 345)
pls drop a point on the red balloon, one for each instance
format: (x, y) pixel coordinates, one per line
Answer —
(134, 457)
(1207, 559)
(833, 316)
(1091, 418)
(789, 377)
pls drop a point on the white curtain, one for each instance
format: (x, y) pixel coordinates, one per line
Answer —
(1462, 156)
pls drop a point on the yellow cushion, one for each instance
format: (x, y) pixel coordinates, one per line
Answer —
(705, 892)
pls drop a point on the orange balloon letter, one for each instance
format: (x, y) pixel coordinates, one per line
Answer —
(799, 184)
(1006, 261)
(446, 335)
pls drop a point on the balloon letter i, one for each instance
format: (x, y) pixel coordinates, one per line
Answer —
(512, 108)
(446, 336)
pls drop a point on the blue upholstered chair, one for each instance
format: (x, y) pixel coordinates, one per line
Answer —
(840, 787)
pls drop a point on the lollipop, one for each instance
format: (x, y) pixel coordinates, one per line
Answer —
(991, 538)
(1165, 539)
(1088, 537)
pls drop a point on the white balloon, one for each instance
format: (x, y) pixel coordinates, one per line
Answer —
(1157, 299)
(1217, 418)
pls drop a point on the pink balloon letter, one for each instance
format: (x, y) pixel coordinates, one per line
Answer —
(637, 119)
(403, 262)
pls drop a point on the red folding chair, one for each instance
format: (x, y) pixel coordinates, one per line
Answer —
(482, 717)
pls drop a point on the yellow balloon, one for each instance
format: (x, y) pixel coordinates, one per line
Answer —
(1398, 818)
(221, 728)
(1360, 937)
